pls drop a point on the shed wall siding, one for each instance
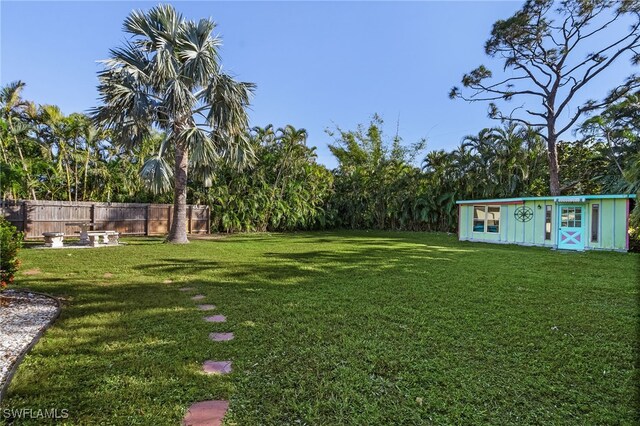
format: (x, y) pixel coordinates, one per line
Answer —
(612, 223)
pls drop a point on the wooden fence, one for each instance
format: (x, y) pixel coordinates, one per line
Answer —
(36, 217)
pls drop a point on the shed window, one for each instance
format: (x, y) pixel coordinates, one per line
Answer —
(486, 219)
(493, 219)
(547, 222)
(571, 217)
(595, 222)
(478, 218)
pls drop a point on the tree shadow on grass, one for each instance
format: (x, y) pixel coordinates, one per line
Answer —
(181, 267)
(124, 351)
(363, 328)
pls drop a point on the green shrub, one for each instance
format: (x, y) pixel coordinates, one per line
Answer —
(634, 240)
(10, 244)
(634, 230)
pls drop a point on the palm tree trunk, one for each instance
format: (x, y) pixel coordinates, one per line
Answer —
(24, 164)
(75, 169)
(64, 163)
(178, 232)
(4, 151)
(86, 175)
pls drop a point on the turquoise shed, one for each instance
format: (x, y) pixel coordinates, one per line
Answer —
(577, 222)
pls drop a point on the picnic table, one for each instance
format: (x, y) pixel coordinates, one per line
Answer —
(92, 238)
(84, 230)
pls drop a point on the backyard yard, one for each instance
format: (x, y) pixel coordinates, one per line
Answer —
(336, 328)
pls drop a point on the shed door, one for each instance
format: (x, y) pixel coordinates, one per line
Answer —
(571, 232)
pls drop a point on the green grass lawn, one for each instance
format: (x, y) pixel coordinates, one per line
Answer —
(360, 328)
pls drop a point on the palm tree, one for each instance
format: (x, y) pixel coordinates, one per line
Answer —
(167, 76)
(13, 111)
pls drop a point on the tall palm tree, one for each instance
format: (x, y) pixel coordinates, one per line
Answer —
(167, 76)
(13, 111)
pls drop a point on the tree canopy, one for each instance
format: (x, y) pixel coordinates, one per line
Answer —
(551, 51)
(168, 76)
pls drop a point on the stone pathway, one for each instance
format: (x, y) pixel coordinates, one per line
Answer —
(221, 337)
(209, 413)
(216, 318)
(217, 367)
(206, 307)
(206, 413)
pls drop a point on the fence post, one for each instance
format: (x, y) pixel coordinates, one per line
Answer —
(146, 221)
(93, 216)
(208, 209)
(25, 218)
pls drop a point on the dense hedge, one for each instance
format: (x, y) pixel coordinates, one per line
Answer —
(10, 243)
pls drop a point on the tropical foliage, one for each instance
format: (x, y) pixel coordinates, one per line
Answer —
(375, 181)
(47, 155)
(616, 134)
(284, 190)
(380, 182)
(10, 244)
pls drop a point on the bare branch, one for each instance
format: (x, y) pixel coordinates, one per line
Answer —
(617, 94)
(537, 114)
(609, 47)
(593, 71)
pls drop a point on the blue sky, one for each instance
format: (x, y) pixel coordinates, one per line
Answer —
(316, 64)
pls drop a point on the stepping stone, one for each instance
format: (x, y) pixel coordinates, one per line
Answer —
(217, 367)
(215, 318)
(206, 307)
(198, 297)
(209, 413)
(186, 289)
(167, 282)
(221, 337)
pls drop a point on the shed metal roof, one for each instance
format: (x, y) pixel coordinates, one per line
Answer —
(560, 199)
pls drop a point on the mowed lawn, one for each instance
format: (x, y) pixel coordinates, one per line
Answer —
(333, 328)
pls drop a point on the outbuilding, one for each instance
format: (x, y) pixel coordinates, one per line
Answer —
(577, 222)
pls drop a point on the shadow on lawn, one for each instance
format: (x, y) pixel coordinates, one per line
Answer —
(117, 350)
(181, 267)
(122, 347)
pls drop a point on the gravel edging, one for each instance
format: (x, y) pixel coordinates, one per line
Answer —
(32, 299)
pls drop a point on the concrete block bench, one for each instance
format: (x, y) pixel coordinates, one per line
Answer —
(94, 238)
(112, 237)
(108, 237)
(53, 239)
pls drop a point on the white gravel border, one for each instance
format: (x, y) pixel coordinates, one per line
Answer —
(24, 316)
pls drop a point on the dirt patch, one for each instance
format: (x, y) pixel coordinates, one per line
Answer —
(34, 271)
(207, 236)
(108, 275)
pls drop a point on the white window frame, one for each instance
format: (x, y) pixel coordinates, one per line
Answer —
(485, 228)
(595, 206)
(548, 220)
